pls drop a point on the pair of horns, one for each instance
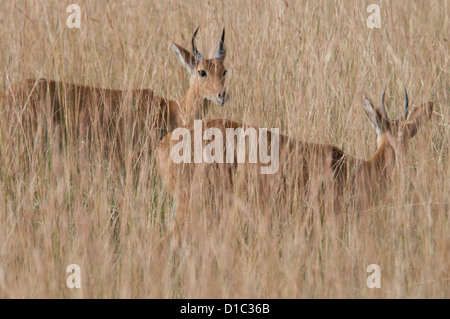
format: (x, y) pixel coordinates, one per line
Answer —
(404, 115)
(220, 52)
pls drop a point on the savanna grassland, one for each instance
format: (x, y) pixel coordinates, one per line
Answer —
(301, 66)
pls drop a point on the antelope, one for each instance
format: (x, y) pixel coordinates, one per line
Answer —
(95, 112)
(392, 145)
(302, 163)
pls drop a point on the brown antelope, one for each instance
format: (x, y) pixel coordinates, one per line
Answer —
(300, 164)
(91, 112)
(392, 144)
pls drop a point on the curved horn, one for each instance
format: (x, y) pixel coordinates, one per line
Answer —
(405, 108)
(197, 56)
(382, 107)
(221, 51)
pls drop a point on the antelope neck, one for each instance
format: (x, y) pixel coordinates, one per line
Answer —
(191, 106)
(383, 152)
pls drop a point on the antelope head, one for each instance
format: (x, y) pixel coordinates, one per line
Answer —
(207, 75)
(397, 132)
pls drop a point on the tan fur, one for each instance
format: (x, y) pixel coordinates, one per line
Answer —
(310, 161)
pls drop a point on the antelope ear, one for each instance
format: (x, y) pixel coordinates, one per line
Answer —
(186, 59)
(374, 115)
(420, 115)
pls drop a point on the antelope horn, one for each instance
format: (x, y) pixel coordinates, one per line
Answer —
(405, 108)
(382, 107)
(197, 56)
(221, 52)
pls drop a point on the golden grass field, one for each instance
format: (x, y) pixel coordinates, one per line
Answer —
(299, 66)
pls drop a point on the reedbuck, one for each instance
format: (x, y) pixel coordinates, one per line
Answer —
(98, 115)
(303, 167)
(392, 144)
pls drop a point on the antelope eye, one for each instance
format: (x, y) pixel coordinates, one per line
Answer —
(224, 73)
(202, 73)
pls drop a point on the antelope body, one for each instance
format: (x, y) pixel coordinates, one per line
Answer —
(303, 166)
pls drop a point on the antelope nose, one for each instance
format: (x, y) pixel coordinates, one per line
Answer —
(221, 95)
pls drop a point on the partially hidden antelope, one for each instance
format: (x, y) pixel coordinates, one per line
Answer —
(37, 105)
(392, 145)
(301, 164)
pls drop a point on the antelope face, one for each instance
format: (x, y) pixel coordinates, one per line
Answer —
(402, 130)
(210, 80)
(207, 75)
(397, 132)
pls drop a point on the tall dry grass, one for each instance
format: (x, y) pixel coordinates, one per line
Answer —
(300, 66)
